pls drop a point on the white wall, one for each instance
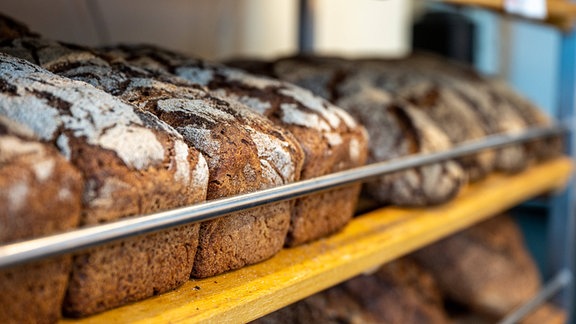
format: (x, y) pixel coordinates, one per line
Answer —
(364, 27)
(220, 28)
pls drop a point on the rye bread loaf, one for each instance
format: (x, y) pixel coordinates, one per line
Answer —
(40, 194)
(245, 152)
(396, 128)
(539, 150)
(331, 139)
(400, 292)
(499, 108)
(441, 104)
(486, 267)
(132, 164)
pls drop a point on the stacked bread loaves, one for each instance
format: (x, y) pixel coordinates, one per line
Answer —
(454, 104)
(244, 152)
(332, 141)
(117, 132)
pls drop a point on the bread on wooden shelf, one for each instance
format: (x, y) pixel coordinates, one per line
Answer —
(132, 164)
(331, 139)
(244, 151)
(396, 128)
(486, 267)
(40, 194)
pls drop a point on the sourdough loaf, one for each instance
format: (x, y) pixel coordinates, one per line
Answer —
(396, 128)
(496, 111)
(441, 104)
(485, 267)
(132, 164)
(244, 151)
(40, 194)
(331, 139)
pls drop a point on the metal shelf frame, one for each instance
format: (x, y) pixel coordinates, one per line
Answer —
(562, 206)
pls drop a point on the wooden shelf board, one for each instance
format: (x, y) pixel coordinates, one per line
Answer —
(366, 243)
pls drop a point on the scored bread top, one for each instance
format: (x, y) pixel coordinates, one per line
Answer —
(323, 129)
(81, 120)
(244, 151)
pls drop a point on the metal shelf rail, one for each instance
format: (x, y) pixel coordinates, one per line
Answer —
(35, 249)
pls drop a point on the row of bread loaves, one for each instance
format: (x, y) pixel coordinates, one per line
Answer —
(144, 141)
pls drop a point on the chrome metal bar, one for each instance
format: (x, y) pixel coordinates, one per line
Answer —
(17, 253)
(561, 280)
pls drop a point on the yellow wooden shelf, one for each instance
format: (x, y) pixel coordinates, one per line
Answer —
(366, 243)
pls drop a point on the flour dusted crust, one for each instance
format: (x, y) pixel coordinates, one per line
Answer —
(40, 194)
(244, 151)
(330, 137)
(492, 111)
(395, 126)
(132, 164)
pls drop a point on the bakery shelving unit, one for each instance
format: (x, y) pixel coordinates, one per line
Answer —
(370, 240)
(366, 243)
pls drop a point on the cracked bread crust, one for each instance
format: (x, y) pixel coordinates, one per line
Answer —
(40, 194)
(244, 151)
(331, 139)
(132, 164)
(396, 129)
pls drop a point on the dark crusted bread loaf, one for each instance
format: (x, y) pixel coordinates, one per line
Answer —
(331, 139)
(40, 194)
(132, 164)
(396, 129)
(538, 150)
(441, 104)
(485, 267)
(400, 292)
(245, 152)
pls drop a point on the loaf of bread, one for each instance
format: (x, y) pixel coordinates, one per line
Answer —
(439, 103)
(400, 292)
(331, 139)
(396, 128)
(40, 194)
(132, 164)
(245, 152)
(486, 267)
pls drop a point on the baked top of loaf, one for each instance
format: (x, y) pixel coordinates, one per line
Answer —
(78, 118)
(332, 141)
(214, 126)
(395, 126)
(320, 127)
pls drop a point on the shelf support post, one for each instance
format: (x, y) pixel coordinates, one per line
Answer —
(562, 212)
